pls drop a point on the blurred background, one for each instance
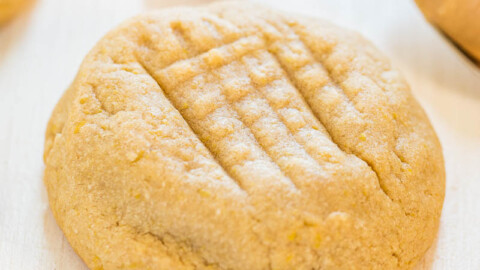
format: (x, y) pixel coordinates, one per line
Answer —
(42, 47)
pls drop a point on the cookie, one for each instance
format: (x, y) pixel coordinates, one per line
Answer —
(235, 137)
(9, 8)
(458, 20)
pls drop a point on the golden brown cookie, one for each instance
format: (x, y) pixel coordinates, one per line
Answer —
(9, 8)
(458, 19)
(234, 137)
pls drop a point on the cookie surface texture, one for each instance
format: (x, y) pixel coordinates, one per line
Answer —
(234, 137)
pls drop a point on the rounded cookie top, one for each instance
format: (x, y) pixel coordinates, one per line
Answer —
(234, 137)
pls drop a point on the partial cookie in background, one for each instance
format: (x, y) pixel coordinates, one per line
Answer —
(10, 8)
(170, 3)
(459, 20)
(235, 137)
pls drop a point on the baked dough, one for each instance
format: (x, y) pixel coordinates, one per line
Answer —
(458, 19)
(234, 137)
(9, 8)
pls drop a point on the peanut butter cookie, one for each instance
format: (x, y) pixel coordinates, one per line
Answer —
(458, 19)
(9, 8)
(235, 137)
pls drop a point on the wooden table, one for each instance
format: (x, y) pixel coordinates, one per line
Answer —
(41, 50)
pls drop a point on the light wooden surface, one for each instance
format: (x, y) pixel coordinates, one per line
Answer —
(41, 50)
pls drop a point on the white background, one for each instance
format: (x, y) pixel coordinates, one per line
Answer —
(41, 50)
